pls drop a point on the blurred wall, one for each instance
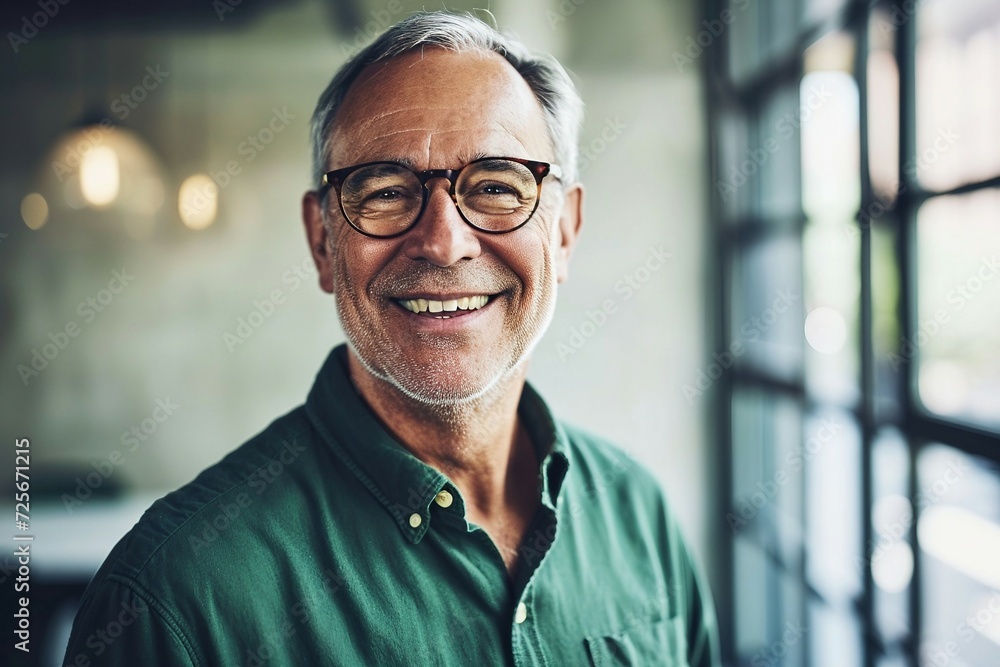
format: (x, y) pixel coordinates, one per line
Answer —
(631, 325)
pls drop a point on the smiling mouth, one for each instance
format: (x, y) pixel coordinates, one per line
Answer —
(445, 309)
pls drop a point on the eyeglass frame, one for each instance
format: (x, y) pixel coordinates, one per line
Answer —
(335, 179)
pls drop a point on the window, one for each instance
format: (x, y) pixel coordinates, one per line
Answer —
(856, 181)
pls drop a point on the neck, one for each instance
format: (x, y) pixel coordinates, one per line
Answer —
(479, 445)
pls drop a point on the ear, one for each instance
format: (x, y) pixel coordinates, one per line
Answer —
(319, 242)
(570, 221)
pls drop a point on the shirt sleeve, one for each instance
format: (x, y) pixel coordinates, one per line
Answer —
(117, 625)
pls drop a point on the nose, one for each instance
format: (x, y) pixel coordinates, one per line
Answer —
(441, 236)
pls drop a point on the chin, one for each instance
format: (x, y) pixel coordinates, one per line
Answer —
(450, 385)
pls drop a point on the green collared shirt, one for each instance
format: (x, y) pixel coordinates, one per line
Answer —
(323, 541)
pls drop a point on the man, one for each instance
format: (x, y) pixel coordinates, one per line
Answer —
(423, 507)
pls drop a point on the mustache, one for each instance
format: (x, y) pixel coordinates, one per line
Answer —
(479, 278)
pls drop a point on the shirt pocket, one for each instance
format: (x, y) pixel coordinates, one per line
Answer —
(658, 643)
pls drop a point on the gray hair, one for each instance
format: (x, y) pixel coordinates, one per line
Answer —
(552, 86)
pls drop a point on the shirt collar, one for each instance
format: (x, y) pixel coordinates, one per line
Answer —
(403, 484)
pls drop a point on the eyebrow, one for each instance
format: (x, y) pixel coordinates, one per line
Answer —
(412, 165)
(496, 165)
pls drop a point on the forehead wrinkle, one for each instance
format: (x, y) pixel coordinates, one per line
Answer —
(510, 119)
(365, 123)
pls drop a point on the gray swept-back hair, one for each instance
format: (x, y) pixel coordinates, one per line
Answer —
(560, 102)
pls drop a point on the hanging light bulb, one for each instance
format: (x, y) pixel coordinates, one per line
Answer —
(106, 167)
(99, 176)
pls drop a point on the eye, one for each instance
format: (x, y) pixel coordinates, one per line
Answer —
(496, 189)
(386, 195)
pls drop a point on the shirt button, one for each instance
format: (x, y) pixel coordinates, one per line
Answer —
(415, 520)
(444, 499)
(521, 614)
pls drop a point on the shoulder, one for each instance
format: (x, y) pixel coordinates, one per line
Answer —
(180, 531)
(604, 466)
(616, 494)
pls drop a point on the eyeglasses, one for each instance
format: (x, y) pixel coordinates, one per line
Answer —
(493, 194)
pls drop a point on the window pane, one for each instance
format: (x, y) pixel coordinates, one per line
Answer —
(895, 660)
(885, 322)
(767, 307)
(781, 19)
(790, 640)
(832, 289)
(744, 42)
(748, 452)
(958, 99)
(767, 472)
(771, 627)
(831, 187)
(753, 571)
(959, 533)
(889, 553)
(835, 636)
(832, 456)
(958, 307)
(883, 109)
(816, 11)
(775, 152)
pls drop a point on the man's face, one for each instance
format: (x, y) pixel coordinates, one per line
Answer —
(440, 110)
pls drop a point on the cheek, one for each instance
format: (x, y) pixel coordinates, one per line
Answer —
(356, 260)
(532, 259)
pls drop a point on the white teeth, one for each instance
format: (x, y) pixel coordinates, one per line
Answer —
(450, 305)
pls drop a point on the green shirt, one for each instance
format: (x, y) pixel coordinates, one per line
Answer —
(323, 541)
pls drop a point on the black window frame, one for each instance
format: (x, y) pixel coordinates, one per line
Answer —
(731, 237)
